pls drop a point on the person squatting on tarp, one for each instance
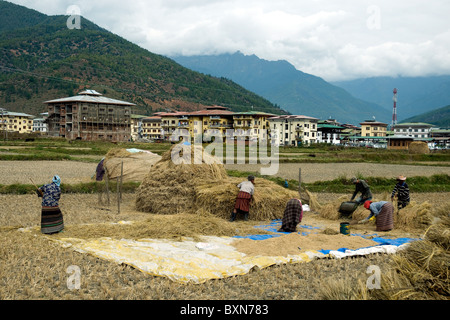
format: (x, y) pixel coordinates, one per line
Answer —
(383, 212)
(293, 214)
(402, 190)
(242, 204)
(51, 216)
(363, 187)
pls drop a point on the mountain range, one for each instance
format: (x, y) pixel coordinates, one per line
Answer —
(42, 59)
(416, 95)
(293, 90)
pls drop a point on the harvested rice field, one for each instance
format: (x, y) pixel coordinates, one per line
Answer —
(34, 266)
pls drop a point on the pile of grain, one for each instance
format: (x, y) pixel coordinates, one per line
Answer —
(202, 184)
(295, 243)
(418, 147)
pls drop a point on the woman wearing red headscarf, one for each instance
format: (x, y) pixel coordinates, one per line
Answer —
(383, 211)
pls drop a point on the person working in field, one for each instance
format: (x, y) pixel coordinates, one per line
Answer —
(293, 214)
(242, 205)
(383, 212)
(51, 216)
(362, 187)
(402, 191)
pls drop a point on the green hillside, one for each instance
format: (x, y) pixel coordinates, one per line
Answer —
(42, 59)
(439, 117)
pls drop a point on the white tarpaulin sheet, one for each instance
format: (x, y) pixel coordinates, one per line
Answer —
(181, 261)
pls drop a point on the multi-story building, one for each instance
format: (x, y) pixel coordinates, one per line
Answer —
(415, 130)
(293, 130)
(15, 122)
(253, 123)
(151, 128)
(329, 132)
(373, 128)
(90, 116)
(136, 126)
(214, 120)
(39, 124)
(170, 122)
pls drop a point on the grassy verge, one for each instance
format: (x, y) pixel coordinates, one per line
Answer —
(434, 183)
(89, 187)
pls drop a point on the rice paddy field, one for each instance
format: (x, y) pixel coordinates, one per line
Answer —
(35, 267)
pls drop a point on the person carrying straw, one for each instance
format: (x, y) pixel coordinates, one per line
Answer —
(402, 191)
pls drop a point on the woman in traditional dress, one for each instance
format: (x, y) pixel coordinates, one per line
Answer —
(293, 214)
(383, 211)
(51, 217)
(242, 204)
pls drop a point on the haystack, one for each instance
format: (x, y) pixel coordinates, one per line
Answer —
(203, 185)
(169, 187)
(269, 200)
(136, 163)
(418, 147)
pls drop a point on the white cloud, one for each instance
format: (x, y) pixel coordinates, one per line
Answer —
(328, 38)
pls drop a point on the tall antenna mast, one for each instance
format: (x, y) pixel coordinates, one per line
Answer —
(394, 112)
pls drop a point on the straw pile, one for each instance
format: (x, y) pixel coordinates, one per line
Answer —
(269, 200)
(169, 186)
(418, 147)
(135, 164)
(203, 185)
(421, 271)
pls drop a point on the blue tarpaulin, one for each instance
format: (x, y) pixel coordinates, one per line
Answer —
(274, 225)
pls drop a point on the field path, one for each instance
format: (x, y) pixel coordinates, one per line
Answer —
(75, 171)
(42, 171)
(312, 172)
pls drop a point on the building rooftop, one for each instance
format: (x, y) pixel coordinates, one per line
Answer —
(15, 114)
(90, 96)
(292, 117)
(413, 124)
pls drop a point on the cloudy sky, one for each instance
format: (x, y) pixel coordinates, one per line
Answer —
(333, 39)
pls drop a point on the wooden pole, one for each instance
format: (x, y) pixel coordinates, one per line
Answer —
(121, 180)
(107, 186)
(299, 182)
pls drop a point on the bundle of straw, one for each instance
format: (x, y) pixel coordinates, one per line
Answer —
(269, 200)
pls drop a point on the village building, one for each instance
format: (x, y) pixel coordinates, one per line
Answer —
(373, 128)
(440, 138)
(15, 122)
(39, 124)
(151, 128)
(252, 124)
(136, 126)
(399, 142)
(293, 130)
(416, 130)
(90, 116)
(329, 132)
